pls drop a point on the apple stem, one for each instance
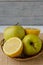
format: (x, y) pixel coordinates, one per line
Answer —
(17, 23)
(32, 44)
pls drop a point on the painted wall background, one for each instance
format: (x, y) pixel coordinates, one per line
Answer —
(13, 11)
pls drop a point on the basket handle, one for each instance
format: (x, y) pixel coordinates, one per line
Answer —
(2, 43)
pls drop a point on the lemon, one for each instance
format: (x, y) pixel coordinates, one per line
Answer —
(13, 47)
(32, 31)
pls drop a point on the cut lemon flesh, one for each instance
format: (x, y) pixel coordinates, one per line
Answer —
(13, 47)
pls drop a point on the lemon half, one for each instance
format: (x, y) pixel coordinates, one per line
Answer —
(32, 31)
(13, 47)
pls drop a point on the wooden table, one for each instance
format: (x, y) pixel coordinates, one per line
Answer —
(4, 60)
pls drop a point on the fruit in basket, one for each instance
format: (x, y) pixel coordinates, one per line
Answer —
(14, 31)
(32, 31)
(13, 47)
(32, 44)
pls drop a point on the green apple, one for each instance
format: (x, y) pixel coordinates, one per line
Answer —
(14, 31)
(32, 44)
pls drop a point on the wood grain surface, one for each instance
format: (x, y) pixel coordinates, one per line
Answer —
(4, 60)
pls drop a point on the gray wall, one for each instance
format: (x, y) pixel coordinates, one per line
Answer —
(23, 0)
(22, 12)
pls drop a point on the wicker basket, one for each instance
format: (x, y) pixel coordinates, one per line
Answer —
(23, 57)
